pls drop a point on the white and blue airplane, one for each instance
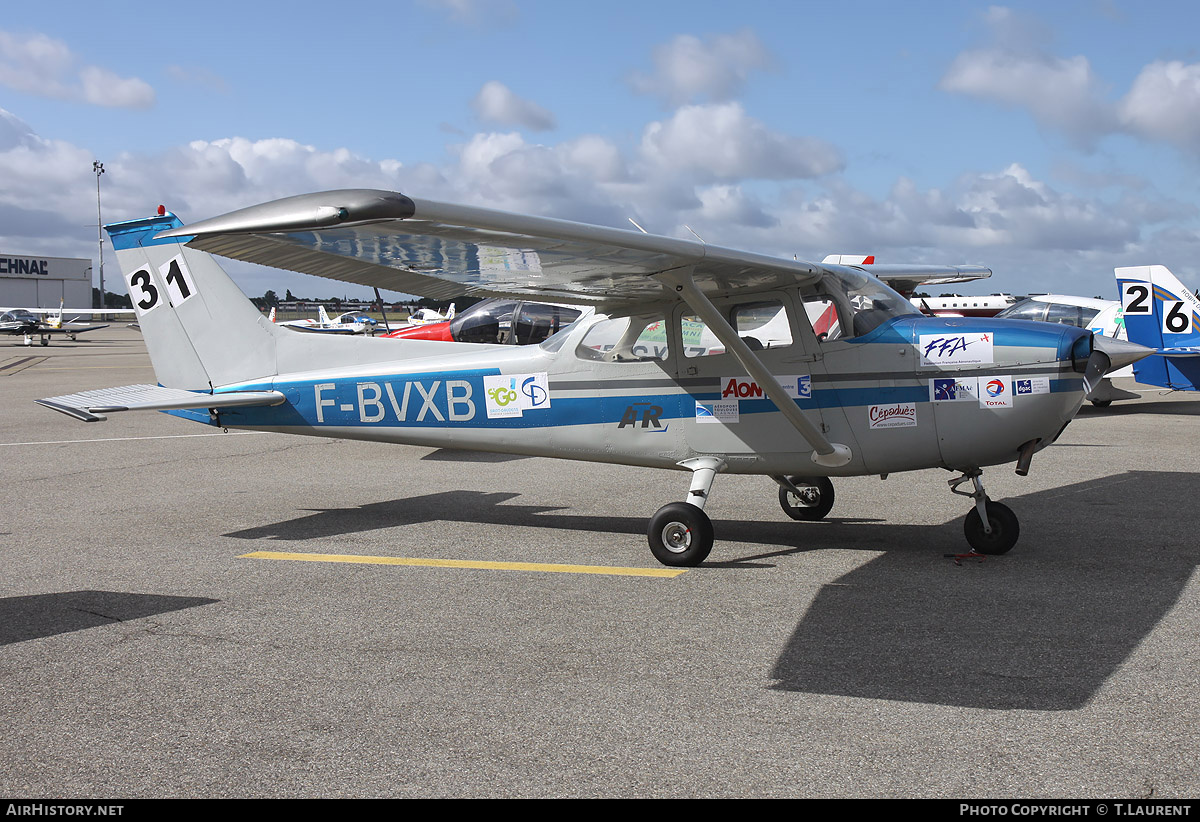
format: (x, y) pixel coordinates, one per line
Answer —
(884, 390)
(1162, 314)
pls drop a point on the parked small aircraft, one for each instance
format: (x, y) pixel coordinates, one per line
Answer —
(1163, 314)
(45, 322)
(352, 322)
(426, 316)
(883, 390)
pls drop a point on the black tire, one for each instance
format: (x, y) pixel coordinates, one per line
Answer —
(680, 535)
(816, 500)
(1102, 403)
(1005, 529)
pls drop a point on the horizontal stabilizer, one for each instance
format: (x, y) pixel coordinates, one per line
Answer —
(91, 406)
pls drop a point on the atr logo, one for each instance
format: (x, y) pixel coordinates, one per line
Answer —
(897, 415)
(957, 349)
(645, 412)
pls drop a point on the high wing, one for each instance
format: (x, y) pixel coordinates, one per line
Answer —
(388, 240)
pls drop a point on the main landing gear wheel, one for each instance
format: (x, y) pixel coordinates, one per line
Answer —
(680, 534)
(1004, 525)
(814, 501)
(1102, 403)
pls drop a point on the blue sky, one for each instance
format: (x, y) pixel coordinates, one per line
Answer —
(1050, 142)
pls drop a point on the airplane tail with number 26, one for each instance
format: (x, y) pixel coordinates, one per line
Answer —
(1161, 313)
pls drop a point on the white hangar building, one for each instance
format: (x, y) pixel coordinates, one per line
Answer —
(41, 282)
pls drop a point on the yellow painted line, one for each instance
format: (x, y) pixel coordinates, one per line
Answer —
(547, 568)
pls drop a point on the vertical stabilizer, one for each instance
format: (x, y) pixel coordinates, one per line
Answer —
(1161, 313)
(200, 329)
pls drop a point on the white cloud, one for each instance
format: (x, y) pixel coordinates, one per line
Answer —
(1063, 93)
(41, 65)
(722, 142)
(688, 70)
(476, 13)
(496, 104)
(1059, 92)
(1164, 104)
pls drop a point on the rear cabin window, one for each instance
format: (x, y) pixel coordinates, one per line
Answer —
(761, 325)
(625, 339)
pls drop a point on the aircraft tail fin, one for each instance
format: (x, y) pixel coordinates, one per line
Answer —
(323, 316)
(200, 329)
(1161, 313)
(450, 313)
(271, 316)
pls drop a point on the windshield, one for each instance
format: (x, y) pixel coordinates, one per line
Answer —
(852, 303)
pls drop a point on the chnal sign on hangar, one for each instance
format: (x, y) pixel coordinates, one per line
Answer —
(44, 282)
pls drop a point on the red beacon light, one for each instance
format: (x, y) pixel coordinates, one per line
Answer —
(162, 210)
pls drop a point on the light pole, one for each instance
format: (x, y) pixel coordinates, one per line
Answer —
(98, 168)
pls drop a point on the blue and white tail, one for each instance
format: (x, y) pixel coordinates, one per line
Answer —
(200, 329)
(1161, 313)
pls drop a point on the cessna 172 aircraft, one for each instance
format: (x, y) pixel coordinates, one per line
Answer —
(883, 390)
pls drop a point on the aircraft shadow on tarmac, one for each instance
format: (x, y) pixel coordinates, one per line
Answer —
(1099, 564)
(42, 615)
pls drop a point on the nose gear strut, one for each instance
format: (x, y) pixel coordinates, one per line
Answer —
(990, 527)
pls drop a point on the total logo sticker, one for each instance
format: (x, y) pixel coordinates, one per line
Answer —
(995, 393)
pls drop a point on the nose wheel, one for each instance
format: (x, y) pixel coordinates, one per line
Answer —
(1001, 534)
(990, 527)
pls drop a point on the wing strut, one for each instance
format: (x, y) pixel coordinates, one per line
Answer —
(825, 453)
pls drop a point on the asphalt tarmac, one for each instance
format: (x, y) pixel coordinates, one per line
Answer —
(144, 654)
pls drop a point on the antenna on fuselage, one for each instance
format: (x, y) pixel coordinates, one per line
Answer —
(635, 225)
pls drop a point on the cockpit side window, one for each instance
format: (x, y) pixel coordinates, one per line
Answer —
(847, 303)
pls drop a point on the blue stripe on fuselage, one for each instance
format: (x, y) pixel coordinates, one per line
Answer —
(458, 400)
